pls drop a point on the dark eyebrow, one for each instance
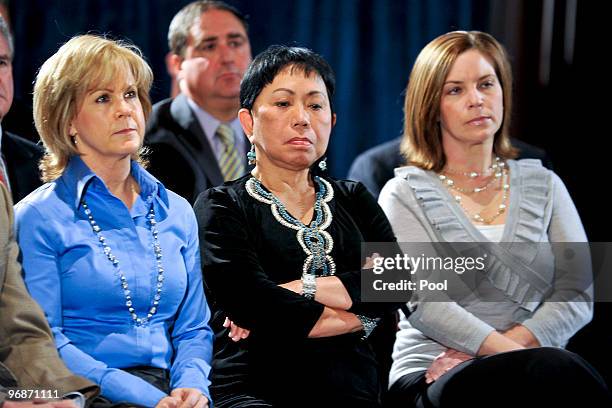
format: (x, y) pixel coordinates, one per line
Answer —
(293, 93)
(311, 93)
(5, 57)
(211, 38)
(235, 35)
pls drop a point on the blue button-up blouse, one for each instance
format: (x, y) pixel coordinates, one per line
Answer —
(69, 275)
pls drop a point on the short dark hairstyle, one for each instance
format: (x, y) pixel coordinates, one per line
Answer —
(269, 63)
(181, 23)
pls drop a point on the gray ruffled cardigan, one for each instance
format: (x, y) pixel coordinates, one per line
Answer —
(523, 284)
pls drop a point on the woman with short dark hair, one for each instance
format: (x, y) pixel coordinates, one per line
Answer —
(282, 252)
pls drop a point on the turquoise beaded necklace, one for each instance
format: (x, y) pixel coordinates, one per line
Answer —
(314, 240)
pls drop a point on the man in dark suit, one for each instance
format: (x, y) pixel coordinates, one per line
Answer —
(195, 140)
(20, 157)
(375, 166)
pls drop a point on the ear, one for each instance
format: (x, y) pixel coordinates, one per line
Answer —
(333, 120)
(173, 64)
(72, 130)
(246, 120)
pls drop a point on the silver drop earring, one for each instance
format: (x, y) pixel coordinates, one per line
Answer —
(323, 164)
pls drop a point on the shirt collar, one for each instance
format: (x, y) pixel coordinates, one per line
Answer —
(78, 176)
(210, 124)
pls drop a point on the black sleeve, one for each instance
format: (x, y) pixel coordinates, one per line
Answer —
(374, 227)
(234, 277)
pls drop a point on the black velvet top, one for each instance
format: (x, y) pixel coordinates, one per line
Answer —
(246, 253)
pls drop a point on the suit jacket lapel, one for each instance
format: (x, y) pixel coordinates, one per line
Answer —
(4, 233)
(194, 135)
(20, 168)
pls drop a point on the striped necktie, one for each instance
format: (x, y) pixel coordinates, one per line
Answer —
(3, 175)
(229, 162)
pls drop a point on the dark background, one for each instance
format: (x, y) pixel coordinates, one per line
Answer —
(559, 76)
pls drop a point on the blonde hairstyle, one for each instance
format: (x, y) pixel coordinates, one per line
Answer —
(422, 141)
(81, 64)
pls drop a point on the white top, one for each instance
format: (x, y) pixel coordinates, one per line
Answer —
(492, 232)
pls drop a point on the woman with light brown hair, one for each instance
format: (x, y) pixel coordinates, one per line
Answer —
(501, 343)
(110, 254)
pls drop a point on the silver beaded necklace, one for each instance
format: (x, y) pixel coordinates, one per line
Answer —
(138, 321)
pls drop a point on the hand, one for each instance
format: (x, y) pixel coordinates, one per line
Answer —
(294, 286)
(40, 404)
(191, 69)
(444, 363)
(236, 333)
(522, 336)
(369, 262)
(168, 402)
(189, 398)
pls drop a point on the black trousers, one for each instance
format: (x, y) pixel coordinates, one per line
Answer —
(539, 377)
(155, 376)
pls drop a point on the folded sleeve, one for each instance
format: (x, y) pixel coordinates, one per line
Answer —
(235, 279)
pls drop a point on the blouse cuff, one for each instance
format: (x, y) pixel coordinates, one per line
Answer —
(121, 386)
(540, 334)
(193, 375)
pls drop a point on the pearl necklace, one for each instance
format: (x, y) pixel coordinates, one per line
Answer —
(501, 208)
(498, 164)
(138, 321)
(452, 184)
(314, 240)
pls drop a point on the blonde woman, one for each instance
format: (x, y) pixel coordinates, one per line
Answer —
(108, 252)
